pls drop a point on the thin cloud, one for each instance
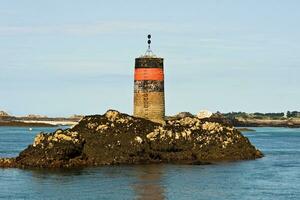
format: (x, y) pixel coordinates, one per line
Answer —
(90, 29)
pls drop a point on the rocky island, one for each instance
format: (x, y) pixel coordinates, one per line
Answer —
(116, 138)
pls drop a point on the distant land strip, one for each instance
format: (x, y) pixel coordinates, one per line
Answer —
(25, 124)
(289, 119)
(36, 120)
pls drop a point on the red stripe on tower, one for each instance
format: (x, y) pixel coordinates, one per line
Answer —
(151, 74)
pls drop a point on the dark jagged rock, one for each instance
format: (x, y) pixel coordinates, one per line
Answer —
(218, 118)
(180, 115)
(116, 138)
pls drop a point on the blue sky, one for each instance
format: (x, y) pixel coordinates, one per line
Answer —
(65, 57)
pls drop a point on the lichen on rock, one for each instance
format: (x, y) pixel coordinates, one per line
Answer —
(112, 115)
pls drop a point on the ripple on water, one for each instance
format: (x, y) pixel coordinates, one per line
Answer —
(276, 176)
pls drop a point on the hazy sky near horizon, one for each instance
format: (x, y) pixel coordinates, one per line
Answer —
(77, 57)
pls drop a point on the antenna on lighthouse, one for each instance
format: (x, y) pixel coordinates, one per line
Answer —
(149, 52)
(149, 41)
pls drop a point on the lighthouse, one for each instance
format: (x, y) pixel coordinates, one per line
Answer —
(149, 95)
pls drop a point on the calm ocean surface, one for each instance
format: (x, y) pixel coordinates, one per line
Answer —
(276, 176)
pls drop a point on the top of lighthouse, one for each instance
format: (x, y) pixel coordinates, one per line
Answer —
(149, 53)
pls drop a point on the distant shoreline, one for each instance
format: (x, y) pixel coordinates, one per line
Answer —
(37, 121)
(25, 124)
(285, 123)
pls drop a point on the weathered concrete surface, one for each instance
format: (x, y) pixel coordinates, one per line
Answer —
(116, 138)
(150, 105)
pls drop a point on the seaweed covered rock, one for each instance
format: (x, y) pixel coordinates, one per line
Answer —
(52, 150)
(117, 138)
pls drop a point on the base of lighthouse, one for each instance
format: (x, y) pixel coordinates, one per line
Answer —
(150, 106)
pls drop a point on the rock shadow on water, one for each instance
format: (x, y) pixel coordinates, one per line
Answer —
(145, 181)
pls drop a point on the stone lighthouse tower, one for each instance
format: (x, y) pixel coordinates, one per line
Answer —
(149, 95)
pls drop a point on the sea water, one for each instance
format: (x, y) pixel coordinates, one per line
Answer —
(276, 176)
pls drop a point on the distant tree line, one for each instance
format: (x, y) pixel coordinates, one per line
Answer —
(292, 114)
(258, 115)
(235, 114)
(272, 115)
